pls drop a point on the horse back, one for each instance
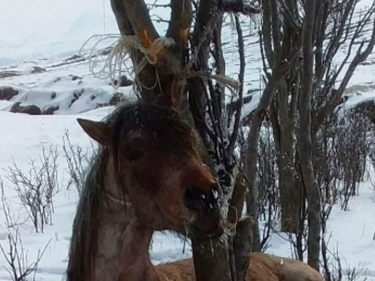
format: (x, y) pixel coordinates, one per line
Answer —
(182, 270)
(284, 269)
(262, 267)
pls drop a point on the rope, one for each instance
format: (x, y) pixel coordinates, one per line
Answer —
(224, 80)
(230, 227)
(124, 47)
(120, 51)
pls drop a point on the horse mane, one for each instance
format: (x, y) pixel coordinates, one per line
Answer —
(84, 234)
(157, 122)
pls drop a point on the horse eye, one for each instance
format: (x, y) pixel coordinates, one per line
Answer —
(134, 155)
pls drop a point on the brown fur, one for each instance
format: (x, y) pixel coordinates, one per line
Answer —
(284, 269)
(149, 163)
(263, 267)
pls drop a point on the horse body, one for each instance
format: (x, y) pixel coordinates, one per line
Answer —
(148, 176)
(263, 267)
(284, 269)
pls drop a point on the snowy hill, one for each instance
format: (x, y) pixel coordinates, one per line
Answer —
(66, 86)
(43, 35)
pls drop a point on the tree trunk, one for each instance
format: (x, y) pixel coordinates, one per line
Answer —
(242, 245)
(305, 141)
(283, 110)
(156, 83)
(281, 68)
(215, 253)
(162, 83)
(283, 131)
(290, 193)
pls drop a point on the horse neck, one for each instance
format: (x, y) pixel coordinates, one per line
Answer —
(122, 241)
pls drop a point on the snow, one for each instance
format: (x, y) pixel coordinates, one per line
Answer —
(356, 228)
(41, 28)
(351, 234)
(44, 33)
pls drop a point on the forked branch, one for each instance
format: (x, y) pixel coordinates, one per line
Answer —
(139, 18)
(123, 22)
(181, 18)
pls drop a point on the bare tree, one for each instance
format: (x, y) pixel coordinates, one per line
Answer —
(37, 188)
(268, 192)
(284, 27)
(175, 70)
(14, 253)
(77, 160)
(306, 96)
(320, 73)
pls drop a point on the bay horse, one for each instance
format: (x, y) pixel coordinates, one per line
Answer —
(148, 175)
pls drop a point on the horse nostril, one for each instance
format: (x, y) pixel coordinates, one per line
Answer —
(192, 198)
(200, 201)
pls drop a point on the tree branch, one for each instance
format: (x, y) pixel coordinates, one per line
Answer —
(305, 138)
(217, 253)
(157, 79)
(290, 17)
(234, 6)
(181, 18)
(266, 34)
(275, 30)
(241, 75)
(166, 62)
(122, 20)
(335, 100)
(139, 18)
(280, 70)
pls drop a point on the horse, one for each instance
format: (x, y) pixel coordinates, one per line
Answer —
(148, 175)
(262, 267)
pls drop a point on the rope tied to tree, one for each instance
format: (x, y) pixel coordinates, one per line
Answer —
(229, 225)
(120, 51)
(125, 47)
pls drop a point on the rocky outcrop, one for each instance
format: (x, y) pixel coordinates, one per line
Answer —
(30, 109)
(116, 99)
(38, 69)
(50, 110)
(7, 93)
(124, 81)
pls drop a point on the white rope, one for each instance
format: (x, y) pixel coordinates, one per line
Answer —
(124, 47)
(121, 50)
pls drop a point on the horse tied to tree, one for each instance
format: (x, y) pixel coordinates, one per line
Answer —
(148, 175)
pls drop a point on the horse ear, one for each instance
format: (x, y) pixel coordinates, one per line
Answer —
(98, 131)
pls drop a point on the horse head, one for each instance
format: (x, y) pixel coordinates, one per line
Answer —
(157, 165)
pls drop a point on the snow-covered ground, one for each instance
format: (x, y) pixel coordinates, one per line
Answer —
(22, 139)
(44, 33)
